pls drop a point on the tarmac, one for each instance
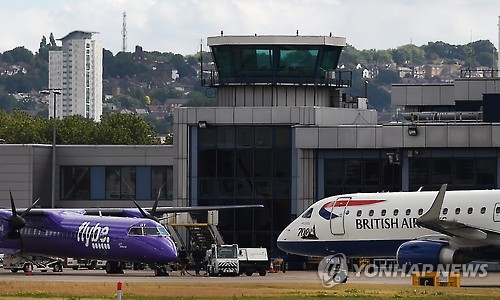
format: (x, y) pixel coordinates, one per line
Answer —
(491, 279)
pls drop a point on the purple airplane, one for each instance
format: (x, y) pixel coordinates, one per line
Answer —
(116, 235)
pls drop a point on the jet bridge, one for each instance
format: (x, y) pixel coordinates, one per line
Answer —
(185, 230)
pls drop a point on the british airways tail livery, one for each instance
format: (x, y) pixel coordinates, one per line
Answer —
(114, 234)
(453, 227)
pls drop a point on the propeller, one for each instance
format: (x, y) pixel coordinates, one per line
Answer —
(151, 215)
(16, 221)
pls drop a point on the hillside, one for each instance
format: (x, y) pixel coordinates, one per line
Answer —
(135, 80)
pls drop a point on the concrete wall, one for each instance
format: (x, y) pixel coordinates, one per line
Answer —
(474, 88)
(26, 171)
(433, 135)
(422, 94)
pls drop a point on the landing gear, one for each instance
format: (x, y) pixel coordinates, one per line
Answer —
(114, 267)
(161, 270)
(57, 267)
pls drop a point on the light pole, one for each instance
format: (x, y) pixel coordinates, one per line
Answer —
(53, 182)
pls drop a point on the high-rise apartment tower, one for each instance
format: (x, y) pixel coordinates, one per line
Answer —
(77, 72)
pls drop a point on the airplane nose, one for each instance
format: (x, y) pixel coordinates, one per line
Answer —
(172, 249)
(284, 239)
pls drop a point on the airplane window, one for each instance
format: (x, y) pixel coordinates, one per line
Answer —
(445, 211)
(151, 231)
(457, 210)
(483, 210)
(408, 212)
(135, 231)
(359, 213)
(497, 210)
(396, 212)
(420, 211)
(469, 211)
(163, 231)
(308, 213)
(383, 212)
(371, 212)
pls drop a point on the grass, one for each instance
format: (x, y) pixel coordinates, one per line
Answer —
(168, 290)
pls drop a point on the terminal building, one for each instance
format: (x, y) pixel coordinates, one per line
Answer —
(283, 134)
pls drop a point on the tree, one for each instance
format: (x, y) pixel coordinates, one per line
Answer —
(118, 129)
(126, 101)
(197, 99)
(387, 77)
(21, 54)
(76, 130)
(408, 54)
(20, 128)
(52, 40)
(43, 43)
(125, 129)
(7, 102)
(159, 95)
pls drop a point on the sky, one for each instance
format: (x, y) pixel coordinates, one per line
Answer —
(181, 26)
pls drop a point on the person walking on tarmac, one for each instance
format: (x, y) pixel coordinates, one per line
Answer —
(183, 259)
(198, 257)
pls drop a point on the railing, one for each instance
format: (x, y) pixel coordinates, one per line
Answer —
(456, 116)
(334, 78)
(480, 73)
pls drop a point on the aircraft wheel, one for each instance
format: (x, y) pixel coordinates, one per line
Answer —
(57, 267)
(161, 271)
(114, 267)
(93, 265)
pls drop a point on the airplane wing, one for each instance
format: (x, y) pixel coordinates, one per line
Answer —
(161, 210)
(431, 220)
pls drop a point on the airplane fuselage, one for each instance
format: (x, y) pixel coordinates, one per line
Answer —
(376, 224)
(66, 233)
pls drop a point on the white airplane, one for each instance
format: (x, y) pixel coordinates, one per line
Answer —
(453, 227)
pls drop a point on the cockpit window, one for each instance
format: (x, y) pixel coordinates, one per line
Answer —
(151, 231)
(144, 230)
(307, 214)
(135, 231)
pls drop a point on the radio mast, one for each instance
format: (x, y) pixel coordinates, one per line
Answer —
(124, 32)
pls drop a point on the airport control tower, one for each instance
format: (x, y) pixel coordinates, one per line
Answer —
(277, 70)
(249, 148)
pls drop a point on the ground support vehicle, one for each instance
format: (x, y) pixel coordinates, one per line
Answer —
(27, 264)
(222, 260)
(253, 260)
(91, 264)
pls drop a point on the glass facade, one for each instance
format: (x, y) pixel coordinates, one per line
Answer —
(364, 171)
(460, 173)
(75, 183)
(246, 165)
(116, 182)
(275, 63)
(120, 182)
(351, 175)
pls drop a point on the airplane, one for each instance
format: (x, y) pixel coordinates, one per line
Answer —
(116, 235)
(454, 227)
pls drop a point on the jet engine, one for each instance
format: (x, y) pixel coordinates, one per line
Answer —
(425, 254)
